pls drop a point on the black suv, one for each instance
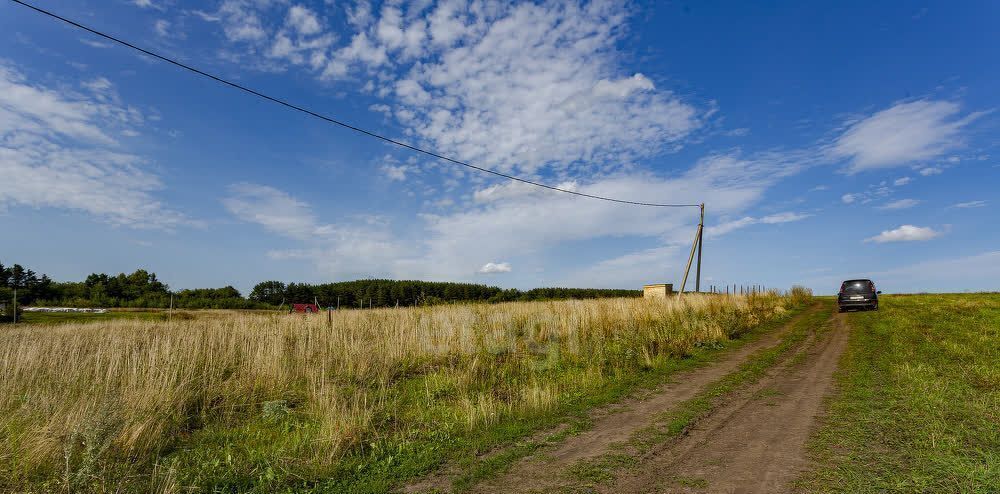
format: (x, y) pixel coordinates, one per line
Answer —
(857, 294)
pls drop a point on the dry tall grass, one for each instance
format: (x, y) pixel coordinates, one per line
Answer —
(111, 400)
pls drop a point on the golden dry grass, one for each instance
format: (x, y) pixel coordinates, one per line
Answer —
(101, 404)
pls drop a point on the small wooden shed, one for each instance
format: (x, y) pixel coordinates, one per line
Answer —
(660, 290)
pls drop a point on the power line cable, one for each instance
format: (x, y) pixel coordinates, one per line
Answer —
(333, 120)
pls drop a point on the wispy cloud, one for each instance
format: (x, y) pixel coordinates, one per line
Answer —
(273, 209)
(162, 27)
(495, 268)
(57, 149)
(902, 134)
(905, 233)
(94, 44)
(729, 226)
(970, 204)
(145, 4)
(900, 204)
(362, 247)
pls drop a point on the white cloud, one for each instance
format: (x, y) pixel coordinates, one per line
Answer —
(783, 218)
(729, 226)
(901, 181)
(901, 204)
(94, 44)
(905, 233)
(449, 71)
(570, 103)
(162, 27)
(145, 4)
(970, 204)
(99, 85)
(363, 247)
(57, 150)
(848, 198)
(299, 39)
(905, 133)
(509, 220)
(931, 170)
(206, 16)
(395, 172)
(240, 21)
(275, 210)
(494, 268)
(303, 20)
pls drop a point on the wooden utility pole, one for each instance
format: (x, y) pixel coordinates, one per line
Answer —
(696, 245)
(701, 234)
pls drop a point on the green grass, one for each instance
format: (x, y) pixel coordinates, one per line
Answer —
(919, 402)
(75, 317)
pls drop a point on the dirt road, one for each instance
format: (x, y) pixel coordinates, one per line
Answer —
(753, 441)
(756, 442)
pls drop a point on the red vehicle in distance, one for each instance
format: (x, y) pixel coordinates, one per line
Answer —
(305, 308)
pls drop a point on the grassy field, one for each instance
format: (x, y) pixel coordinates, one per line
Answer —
(919, 405)
(237, 402)
(83, 317)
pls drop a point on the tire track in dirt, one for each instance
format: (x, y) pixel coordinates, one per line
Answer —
(614, 424)
(755, 443)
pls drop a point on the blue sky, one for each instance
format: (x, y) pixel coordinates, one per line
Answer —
(827, 141)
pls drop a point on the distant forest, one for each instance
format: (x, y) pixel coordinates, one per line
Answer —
(143, 289)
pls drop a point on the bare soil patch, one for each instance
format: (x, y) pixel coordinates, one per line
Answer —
(756, 443)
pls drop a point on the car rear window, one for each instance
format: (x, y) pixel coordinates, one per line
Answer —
(856, 287)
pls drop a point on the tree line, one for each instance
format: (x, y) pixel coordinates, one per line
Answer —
(143, 289)
(390, 293)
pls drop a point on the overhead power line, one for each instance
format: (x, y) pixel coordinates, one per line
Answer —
(334, 120)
